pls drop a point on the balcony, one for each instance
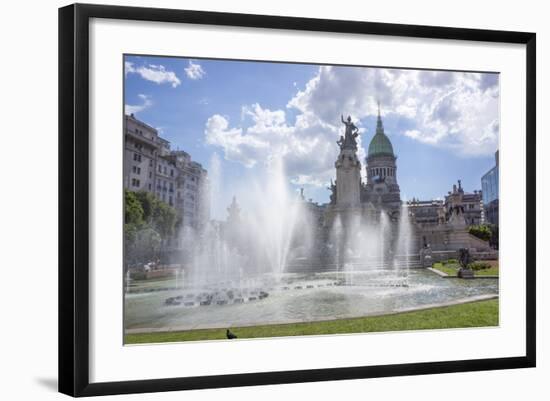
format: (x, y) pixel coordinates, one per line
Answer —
(142, 139)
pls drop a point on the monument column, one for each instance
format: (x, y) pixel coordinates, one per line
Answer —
(348, 168)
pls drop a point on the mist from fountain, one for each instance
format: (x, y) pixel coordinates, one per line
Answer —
(404, 238)
(128, 280)
(237, 252)
(277, 229)
(273, 220)
(384, 237)
(371, 251)
(336, 243)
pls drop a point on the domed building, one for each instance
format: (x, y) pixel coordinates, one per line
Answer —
(351, 196)
(381, 188)
(366, 223)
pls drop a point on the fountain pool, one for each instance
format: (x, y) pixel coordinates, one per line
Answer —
(299, 298)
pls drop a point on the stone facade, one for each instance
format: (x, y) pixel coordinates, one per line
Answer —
(431, 212)
(150, 165)
(435, 212)
(140, 154)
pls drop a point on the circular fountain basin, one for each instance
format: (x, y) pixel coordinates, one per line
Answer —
(294, 298)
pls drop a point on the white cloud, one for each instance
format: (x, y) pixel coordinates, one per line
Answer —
(454, 110)
(308, 148)
(194, 71)
(457, 111)
(154, 73)
(128, 67)
(237, 146)
(146, 102)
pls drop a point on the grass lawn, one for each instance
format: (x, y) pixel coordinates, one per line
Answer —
(452, 268)
(473, 314)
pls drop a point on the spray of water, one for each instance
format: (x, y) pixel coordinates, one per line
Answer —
(249, 244)
(271, 228)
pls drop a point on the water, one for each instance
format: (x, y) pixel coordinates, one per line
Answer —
(318, 298)
(127, 281)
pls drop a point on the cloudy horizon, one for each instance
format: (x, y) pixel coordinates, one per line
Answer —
(443, 125)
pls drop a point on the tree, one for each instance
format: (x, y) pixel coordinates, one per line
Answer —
(149, 223)
(133, 209)
(157, 214)
(481, 231)
(147, 201)
(147, 245)
(133, 222)
(164, 219)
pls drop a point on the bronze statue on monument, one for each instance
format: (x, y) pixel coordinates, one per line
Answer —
(348, 140)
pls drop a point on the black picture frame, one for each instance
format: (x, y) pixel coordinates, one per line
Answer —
(74, 198)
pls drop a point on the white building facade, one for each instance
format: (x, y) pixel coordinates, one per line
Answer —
(172, 176)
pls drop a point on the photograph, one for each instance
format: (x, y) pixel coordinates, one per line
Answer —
(273, 199)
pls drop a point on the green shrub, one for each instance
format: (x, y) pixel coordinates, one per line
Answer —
(479, 266)
(481, 231)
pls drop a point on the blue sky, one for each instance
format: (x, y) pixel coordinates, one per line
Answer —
(443, 125)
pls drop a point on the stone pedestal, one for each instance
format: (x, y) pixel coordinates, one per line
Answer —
(426, 256)
(465, 273)
(348, 179)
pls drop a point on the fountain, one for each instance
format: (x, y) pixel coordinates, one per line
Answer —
(127, 280)
(300, 261)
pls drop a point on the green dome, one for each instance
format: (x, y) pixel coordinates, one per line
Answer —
(380, 143)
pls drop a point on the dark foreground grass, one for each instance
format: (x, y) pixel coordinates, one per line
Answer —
(474, 314)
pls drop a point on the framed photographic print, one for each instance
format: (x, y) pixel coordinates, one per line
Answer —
(250, 199)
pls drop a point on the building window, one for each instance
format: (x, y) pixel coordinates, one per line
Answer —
(137, 157)
(135, 182)
(151, 162)
(171, 172)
